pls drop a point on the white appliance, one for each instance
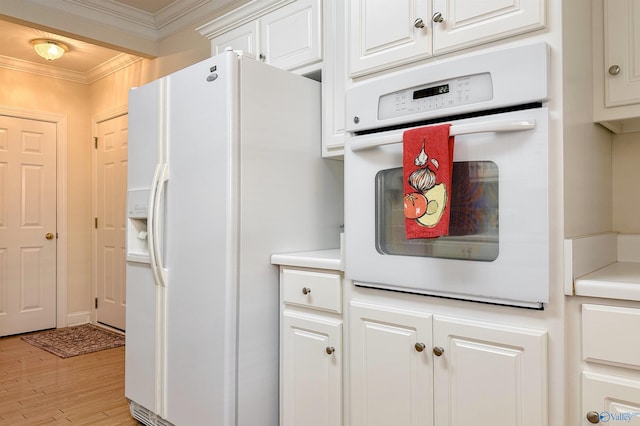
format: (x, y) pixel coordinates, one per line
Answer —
(497, 250)
(224, 169)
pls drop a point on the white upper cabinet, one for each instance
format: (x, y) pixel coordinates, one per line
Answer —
(244, 37)
(388, 33)
(616, 71)
(621, 57)
(462, 23)
(290, 36)
(285, 34)
(384, 34)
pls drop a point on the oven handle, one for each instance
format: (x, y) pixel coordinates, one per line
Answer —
(360, 143)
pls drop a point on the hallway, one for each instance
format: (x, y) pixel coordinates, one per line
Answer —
(38, 388)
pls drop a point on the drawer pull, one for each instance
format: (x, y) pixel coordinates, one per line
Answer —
(306, 290)
(330, 350)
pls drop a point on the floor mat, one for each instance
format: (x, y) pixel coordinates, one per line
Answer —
(78, 340)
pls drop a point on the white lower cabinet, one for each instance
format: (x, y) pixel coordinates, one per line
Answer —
(415, 368)
(311, 347)
(611, 373)
(610, 399)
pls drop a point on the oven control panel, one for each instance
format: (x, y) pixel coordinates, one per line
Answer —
(450, 93)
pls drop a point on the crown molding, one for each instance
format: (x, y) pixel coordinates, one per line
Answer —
(111, 66)
(121, 17)
(168, 21)
(43, 70)
(239, 16)
(119, 62)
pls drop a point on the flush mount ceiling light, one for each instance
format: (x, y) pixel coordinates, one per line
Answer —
(49, 49)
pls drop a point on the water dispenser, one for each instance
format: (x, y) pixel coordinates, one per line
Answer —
(137, 210)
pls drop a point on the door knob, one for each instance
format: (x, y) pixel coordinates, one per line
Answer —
(49, 236)
(614, 69)
(593, 417)
(437, 17)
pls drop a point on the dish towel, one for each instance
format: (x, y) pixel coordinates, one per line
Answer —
(427, 168)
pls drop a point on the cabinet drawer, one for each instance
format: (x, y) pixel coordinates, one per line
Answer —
(608, 335)
(319, 290)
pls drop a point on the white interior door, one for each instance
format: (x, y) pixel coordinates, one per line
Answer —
(111, 182)
(27, 225)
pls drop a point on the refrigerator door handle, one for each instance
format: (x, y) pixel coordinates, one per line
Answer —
(163, 177)
(151, 224)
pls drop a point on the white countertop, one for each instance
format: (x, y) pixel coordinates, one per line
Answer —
(603, 265)
(321, 259)
(618, 280)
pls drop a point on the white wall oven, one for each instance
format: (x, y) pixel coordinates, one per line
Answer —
(497, 249)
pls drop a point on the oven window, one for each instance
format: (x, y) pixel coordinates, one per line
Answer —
(473, 226)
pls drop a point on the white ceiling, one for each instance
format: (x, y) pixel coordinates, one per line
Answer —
(149, 6)
(148, 19)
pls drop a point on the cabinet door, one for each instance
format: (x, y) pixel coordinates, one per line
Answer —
(244, 37)
(290, 36)
(390, 367)
(334, 80)
(610, 400)
(311, 389)
(471, 22)
(385, 33)
(489, 374)
(621, 55)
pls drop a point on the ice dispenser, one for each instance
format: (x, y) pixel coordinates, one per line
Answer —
(137, 208)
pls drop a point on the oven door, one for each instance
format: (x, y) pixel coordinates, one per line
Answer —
(497, 248)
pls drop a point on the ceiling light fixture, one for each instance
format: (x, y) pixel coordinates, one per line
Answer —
(49, 49)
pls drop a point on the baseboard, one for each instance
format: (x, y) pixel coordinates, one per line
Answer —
(78, 318)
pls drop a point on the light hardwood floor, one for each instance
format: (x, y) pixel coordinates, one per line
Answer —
(39, 388)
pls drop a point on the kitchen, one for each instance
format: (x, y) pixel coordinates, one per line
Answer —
(591, 170)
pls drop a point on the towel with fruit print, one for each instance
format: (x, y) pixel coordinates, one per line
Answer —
(427, 167)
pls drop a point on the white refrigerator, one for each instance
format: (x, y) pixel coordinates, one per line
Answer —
(224, 169)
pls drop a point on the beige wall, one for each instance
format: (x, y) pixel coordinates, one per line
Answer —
(43, 94)
(82, 104)
(626, 180)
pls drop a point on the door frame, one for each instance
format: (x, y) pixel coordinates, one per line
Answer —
(60, 120)
(98, 118)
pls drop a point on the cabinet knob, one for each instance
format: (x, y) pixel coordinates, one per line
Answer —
(262, 57)
(437, 17)
(438, 350)
(418, 23)
(330, 349)
(306, 290)
(593, 417)
(420, 346)
(614, 69)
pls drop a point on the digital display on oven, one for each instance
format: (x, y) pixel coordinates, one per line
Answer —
(431, 91)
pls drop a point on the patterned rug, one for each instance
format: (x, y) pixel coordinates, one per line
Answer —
(78, 340)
